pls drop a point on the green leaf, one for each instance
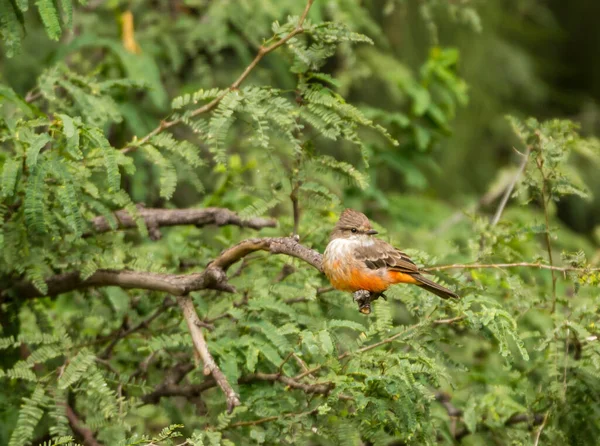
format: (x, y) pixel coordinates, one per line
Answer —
(34, 149)
(110, 157)
(421, 100)
(76, 369)
(49, 15)
(10, 171)
(337, 323)
(326, 342)
(68, 124)
(30, 414)
(67, 9)
(34, 200)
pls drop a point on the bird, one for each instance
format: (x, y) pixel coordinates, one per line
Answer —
(357, 261)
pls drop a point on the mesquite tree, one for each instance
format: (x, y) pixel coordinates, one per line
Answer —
(160, 276)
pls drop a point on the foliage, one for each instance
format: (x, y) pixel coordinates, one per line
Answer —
(330, 118)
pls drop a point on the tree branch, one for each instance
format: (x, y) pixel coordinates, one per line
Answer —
(80, 429)
(273, 418)
(510, 188)
(170, 388)
(210, 366)
(213, 277)
(123, 333)
(156, 218)
(563, 269)
(262, 52)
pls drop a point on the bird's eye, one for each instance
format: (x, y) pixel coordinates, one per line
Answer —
(354, 230)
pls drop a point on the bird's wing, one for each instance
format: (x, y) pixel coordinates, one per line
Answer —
(383, 255)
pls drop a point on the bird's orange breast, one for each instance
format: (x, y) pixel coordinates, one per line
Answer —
(346, 278)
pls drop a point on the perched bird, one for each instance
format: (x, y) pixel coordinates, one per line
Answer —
(355, 260)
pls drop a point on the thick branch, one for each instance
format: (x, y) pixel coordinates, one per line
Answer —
(262, 52)
(213, 277)
(155, 218)
(210, 366)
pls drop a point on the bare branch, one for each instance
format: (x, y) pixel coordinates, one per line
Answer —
(210, 366)
(316, 388)
(444, 399)
(448, 321)
(262, 52)
(508, 265)
(273, 418)
(177, 217)
(213, 277)
(510, 188)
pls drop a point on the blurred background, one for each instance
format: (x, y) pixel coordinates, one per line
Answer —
(445, 74)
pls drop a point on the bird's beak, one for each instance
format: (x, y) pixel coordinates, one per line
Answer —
(372, 232)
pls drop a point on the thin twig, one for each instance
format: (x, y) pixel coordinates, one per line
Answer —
(296, 206)
(510, 188)
(285, 360)
(33, 95)
(170, 388)
(168, 303)
(508, 265)
(545, 199)
(273, 418)
(302, 364)
(539, 432)
(262, 52)
(448, 321)
(566, 364)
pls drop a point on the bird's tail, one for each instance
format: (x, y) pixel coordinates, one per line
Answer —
(434, 288)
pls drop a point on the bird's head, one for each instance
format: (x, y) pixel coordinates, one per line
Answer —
(352, 225)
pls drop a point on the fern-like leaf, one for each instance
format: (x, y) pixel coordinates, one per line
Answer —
(10, 171)
(76, 369)
(49, 15)
(110, 157)
(29, 416)
(34, 200)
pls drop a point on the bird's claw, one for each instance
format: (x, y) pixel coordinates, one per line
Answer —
(361, 295)
(364, 298)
